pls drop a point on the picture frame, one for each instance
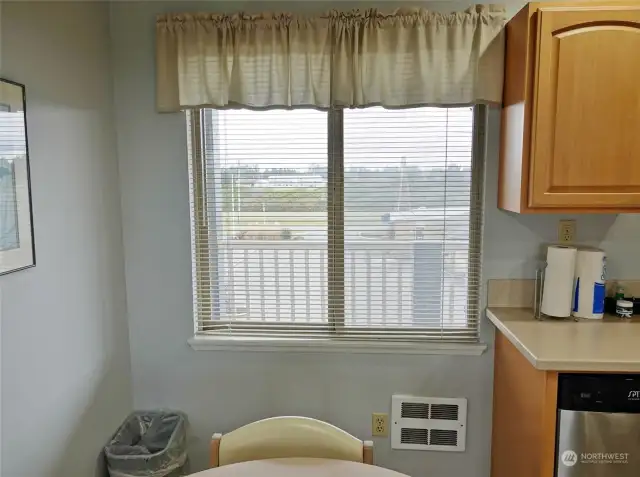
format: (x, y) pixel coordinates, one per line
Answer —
(17, 244)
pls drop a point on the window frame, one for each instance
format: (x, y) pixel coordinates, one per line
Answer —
(332, 335)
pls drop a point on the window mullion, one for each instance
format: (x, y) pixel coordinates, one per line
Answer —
(335, 219)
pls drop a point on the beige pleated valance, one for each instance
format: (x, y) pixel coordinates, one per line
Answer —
(341, 59)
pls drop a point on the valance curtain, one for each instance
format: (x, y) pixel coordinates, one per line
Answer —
(341, 59)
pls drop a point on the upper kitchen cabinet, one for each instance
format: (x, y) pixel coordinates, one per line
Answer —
(571, 117)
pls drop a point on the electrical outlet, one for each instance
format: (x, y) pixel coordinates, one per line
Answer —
(379, 424)
(566, 231)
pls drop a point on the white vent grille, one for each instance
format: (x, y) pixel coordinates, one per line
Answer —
(426, 423)
(414, 410)
(409, 435)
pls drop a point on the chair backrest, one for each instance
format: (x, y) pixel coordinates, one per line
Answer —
(279, 437)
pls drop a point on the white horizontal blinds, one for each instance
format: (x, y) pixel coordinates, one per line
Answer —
(347, 224)
(13, 150)
(407, 211)
(266, 208)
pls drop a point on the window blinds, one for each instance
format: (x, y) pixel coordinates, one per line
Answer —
(344, 224)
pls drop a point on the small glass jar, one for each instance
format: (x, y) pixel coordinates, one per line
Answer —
(624, 308)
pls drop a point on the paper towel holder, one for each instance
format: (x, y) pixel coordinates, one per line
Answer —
(537, 290)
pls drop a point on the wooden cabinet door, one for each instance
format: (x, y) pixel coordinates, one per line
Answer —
(585, 147)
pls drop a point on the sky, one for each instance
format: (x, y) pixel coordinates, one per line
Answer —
(374, 137)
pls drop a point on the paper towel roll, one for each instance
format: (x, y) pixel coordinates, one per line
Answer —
(589, 292)
(558, 281)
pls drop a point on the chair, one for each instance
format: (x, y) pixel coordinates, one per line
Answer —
(279, 437)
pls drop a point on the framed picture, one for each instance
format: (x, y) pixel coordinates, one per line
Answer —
(17, 247)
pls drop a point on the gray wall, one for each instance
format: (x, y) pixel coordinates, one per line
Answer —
(66, 379)
(223, 390)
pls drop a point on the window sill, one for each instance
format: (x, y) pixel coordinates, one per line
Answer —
(243, 343)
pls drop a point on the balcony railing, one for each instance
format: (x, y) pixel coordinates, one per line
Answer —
(386, 283)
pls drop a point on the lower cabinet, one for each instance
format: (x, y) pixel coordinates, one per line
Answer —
(524, 415)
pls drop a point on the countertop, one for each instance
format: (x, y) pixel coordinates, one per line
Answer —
(608, 345)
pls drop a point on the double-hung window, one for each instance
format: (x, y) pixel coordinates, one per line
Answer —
(358, 224)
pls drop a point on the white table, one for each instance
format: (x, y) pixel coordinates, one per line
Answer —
(298, 467)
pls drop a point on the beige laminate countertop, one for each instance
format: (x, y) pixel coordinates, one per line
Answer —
(611, 344)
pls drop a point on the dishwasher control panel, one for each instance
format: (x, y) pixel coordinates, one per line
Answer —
(599, 392)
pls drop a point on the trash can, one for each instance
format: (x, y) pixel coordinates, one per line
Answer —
(149, 444)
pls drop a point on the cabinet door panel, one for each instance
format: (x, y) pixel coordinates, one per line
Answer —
(586, 131)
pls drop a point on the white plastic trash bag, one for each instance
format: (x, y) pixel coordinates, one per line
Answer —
(149, 444)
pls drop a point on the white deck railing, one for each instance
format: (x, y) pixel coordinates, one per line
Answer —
(399, 283)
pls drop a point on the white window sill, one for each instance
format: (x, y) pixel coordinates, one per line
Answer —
(242, 343)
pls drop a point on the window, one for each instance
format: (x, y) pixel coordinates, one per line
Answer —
(354, 224)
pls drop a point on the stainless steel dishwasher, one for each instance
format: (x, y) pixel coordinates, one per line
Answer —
(598, 425)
